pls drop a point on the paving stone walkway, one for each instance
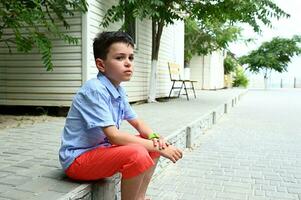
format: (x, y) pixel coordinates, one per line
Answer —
(29, 167)
(253, 153)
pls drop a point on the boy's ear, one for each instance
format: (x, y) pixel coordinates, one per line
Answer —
(100, 65)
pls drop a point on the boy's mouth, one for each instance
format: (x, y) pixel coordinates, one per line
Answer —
(128, 72)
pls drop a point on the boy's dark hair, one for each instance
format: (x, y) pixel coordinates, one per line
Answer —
(104, 40)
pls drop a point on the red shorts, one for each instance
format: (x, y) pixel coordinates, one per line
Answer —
(130, 160)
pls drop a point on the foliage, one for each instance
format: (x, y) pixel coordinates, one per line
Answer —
(230, 63)
(240, 79)
(273, 55)
(205, 12)
(33, 23)
(206, 38)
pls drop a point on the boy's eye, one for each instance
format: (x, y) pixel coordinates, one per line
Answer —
(119, 57)
(131, 58)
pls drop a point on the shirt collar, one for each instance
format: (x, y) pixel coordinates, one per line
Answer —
(110, 87)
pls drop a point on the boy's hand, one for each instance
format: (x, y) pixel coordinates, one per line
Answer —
(160, 142)
(172, 153)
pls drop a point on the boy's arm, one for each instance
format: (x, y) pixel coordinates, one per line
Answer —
(120, 138)
(117, 137)
(143, 129)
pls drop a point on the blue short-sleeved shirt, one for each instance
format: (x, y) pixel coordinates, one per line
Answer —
(97, 104)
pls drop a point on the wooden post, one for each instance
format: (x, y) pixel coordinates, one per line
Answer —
(281, 84)
(295, 82)
(188, 137)
(214, 117)
(226, 108)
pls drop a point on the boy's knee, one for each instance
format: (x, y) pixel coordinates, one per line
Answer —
(138, 156)
(138, 160)
(137, 152)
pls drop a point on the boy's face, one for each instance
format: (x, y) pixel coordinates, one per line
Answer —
(118, 66)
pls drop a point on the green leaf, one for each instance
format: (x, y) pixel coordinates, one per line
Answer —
(34, 22)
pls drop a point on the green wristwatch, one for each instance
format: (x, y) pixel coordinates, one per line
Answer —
(153, 135)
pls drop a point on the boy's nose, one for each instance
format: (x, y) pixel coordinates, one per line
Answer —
(128, 63)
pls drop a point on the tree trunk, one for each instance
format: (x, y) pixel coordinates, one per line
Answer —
(266, 80)
(157, 28)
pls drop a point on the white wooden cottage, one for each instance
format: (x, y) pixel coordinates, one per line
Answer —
(24, 80)
(208, 70)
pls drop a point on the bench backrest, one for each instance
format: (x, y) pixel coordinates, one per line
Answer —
(174, 71)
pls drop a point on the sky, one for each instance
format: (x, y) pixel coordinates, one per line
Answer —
(285, 27)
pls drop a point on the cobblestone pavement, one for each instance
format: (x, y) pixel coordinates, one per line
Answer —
(253, 153)
(29, 167)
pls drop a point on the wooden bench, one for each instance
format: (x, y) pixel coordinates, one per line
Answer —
(175, 77)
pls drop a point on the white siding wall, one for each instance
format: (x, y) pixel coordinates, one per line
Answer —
(24, 80)
(197, 70)
(138, 86)
(171, 50)
(216, 70)
(208, 70)
(91, 23)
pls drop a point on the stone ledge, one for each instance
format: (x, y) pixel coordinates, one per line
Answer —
(105, 189)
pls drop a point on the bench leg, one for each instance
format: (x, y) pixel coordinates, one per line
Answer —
(180, 90)
(173, 83)
(185, 88)
(192, 86)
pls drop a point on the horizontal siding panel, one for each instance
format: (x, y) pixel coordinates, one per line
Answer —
(137, 93)
(34, 102)
(32, 83)
(97, 13)
(54, 40)
(57, 90)
(25, 96)
(136, 89)
(40, 70)
(72, 28)
(36, 63)
(137, 97)
(55, 43)
(97, 6)
(33, 57)
(58, 49)
(42, 77)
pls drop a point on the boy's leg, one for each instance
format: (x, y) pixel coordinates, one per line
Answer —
(131, 160)
(146, 180)
(130, 187)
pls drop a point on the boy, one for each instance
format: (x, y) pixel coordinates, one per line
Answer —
(93, 147)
